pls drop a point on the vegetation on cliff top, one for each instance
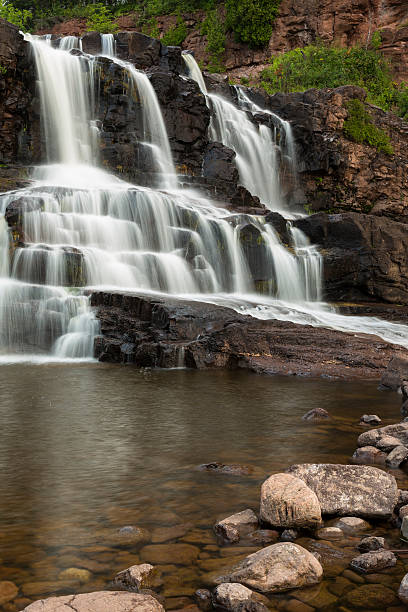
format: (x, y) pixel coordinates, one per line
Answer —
(320, 66)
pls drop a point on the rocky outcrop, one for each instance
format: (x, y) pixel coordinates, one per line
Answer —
(346, 490)
(277, 568)
(19, 123)
(365, 257)
(153, 331)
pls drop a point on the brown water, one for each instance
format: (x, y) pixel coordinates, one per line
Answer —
(88, 449)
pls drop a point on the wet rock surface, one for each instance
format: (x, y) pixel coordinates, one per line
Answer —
(149, 332)
(372, 562)
(104, 601)
(237, 525)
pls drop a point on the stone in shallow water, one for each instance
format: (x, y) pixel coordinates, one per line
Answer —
(231, 595)
(352, 524)
(286, 501)
(237, 525)
(370, 419)
(403, 511)
(397, 456)
(371, 543)
(75, 573)
(232, 469)
(345, 490)
(280, 567)
(316, 414)
(369, 455)
(330, 533)
(289, 535)
(374, 561)
(8, 591)
(138, 577)
(101, 601)
(371, 596)
(403, 590)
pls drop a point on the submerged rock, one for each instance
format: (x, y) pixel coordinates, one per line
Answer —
(352, 524)
(101, 601)
(346, 490)
(237, 525)
(330, 533)
(8, 591)
(287, 502)
(277, 568)
(374, 561)
(289, 535)
(316, 414)
(232, 469)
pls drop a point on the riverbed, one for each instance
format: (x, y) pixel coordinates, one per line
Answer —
(88, 449)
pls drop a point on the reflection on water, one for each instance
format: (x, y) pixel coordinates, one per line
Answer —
(90, 448)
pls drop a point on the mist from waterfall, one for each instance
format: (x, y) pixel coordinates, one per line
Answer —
(86, 229)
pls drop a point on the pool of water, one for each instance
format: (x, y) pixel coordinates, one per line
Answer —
(90, 448)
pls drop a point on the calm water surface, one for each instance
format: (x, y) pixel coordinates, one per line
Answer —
(88, 449)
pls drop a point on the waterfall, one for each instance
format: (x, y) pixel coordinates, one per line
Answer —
(256, 148)
(108, 44)
(83, 228)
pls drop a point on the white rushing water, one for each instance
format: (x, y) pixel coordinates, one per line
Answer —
(258, 154)
(85, 228)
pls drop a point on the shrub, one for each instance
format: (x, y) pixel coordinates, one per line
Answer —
(99, 19)
(359, 127)
(20, 18)
(320, 66)
(213, 27)
(3, 70)
(175, 35)
(252, 20)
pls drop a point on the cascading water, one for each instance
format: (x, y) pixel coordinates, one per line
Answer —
(256, 148)
(85, 228)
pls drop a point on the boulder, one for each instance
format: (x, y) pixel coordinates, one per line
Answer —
(374, 561)
(398, 431)
(398, 455)
(344, 490)
(370, 419)
(369, 455)
(370, 544)
(402, 497)
(277, 568)
(404, 528)
(287, 502)
(137, 577)
(100, 601)
(403, 511)
(396, 373)
(237, 525)
(403, 590)
(316, 414)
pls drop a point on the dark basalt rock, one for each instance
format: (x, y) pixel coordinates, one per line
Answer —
(150, 331)
(365, 257)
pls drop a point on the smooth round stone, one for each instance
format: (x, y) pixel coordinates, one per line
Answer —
(75, 573)
(8, 591)
(330, 533)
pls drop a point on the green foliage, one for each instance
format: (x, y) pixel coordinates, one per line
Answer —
(19, 17)
(175, 35)
(359, 127)
(376, 39)
(252, 20)
(150, 27)
(244, 81)
(100, 19)
(320, 66)
(3, 69)
(214, 29)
